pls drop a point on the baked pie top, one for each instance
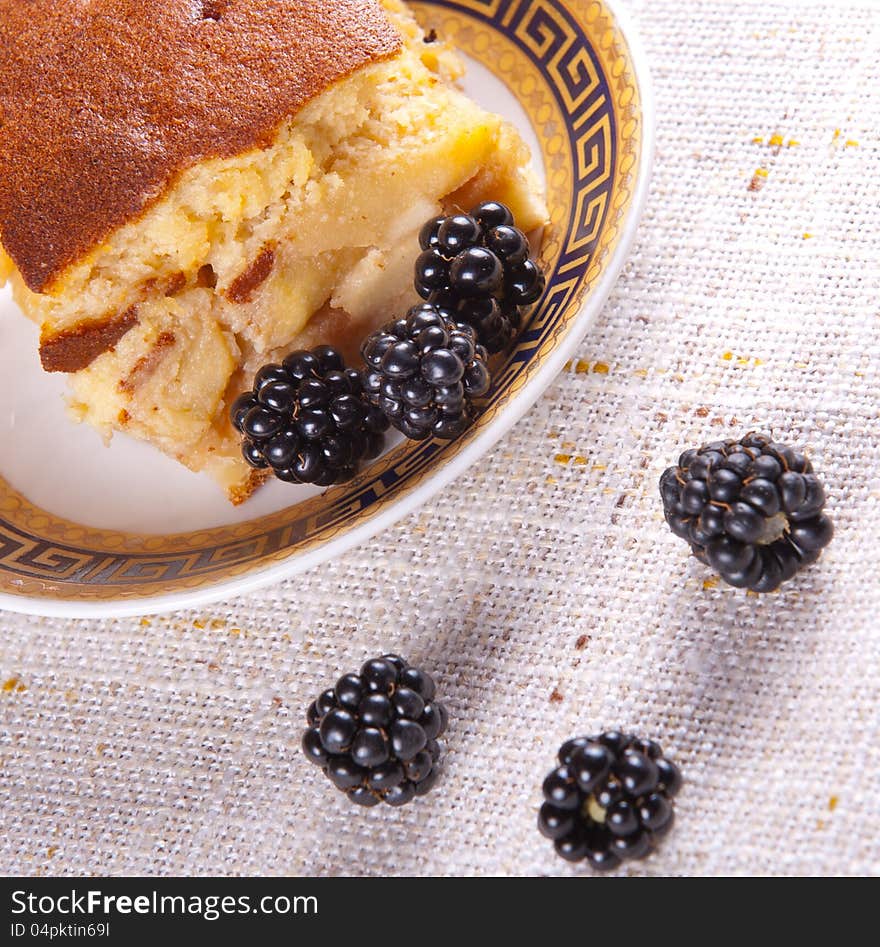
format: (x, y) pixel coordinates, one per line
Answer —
(104, 102)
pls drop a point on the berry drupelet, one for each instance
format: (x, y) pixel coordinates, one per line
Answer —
(751, 509)
(375, 734)
(308, 420)
(424, 371)
(610, 799)
(476, 267)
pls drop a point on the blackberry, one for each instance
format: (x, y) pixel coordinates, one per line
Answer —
(308, 420)
(424, 371)
(495, 322)
(375, 735)
(609, 799)
(477, 267)
(750, 509)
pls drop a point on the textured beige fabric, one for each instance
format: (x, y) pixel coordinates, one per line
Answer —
(543, 589)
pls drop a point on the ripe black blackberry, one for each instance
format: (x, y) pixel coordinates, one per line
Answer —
(308, 419)
(476, 266)
(375, 734)
(751, 509)
(496, 323)
(609, 799)
(424, 371)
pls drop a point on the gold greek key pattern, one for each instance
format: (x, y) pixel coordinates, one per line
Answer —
(568, 64)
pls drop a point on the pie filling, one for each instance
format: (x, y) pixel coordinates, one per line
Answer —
(308, 241)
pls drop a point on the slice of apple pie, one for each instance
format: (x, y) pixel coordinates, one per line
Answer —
(191, 189)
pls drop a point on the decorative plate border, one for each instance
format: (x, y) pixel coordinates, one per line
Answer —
(570, 66)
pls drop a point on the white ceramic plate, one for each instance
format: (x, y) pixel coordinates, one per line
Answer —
(84, 530)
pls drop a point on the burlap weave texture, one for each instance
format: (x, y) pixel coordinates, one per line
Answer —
(543, 588)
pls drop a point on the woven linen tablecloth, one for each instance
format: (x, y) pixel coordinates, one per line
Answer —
(543, 588)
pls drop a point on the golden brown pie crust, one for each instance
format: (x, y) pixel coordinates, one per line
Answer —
(104, 103)
(76, 348)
